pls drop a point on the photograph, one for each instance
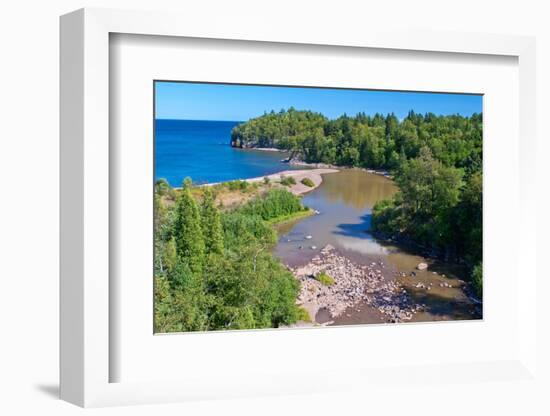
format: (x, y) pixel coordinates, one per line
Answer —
(307, 207)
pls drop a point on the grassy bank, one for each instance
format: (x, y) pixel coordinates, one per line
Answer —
(291, 217)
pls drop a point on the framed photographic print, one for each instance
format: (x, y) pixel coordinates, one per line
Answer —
(243, 215)
(318, 213)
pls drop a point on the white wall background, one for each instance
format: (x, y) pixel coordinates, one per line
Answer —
(29, 57)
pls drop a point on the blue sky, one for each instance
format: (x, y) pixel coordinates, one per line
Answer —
(195, 101)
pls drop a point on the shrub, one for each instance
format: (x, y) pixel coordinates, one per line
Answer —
(477, 280)
(308, 182)
(386, 217)
(240, 229)
(216, 189)
(244, 185)
(287, 180)
(325, 279)
(303, 314)
(163, 188)
(237, 185)
(274, 204)
(266, 180)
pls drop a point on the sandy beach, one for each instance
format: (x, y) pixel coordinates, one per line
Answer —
(315, 175)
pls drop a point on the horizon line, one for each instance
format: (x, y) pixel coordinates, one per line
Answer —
(341, 115)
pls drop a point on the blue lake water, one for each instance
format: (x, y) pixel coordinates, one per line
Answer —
(201, 150)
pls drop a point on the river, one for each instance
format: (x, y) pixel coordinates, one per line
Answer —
(344, 201)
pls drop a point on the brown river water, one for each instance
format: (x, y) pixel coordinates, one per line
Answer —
(344, 201)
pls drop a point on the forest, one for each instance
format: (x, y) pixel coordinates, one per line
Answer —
(214, 268)
(436, 161)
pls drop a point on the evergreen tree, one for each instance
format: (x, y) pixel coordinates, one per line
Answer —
(211, 224)
(170, 255)
(187, 229)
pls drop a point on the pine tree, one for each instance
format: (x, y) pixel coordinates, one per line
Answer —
(170, 255)
(187, 229)
(211, 224)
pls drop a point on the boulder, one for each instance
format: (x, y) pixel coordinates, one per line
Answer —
(422, 266)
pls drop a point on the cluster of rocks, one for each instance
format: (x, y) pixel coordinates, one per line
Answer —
(354, 283)
(427, 286)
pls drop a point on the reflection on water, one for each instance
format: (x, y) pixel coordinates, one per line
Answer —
(345, 200)
(355, 188)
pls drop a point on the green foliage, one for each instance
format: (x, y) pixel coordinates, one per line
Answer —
(187, 229)
(386, 216)
(477, 280)
(170, 255)
(303, 315)
(251, 290)
(266, 180)
(325, 279)
(427, 185)
(291, 217)
(377, 142)
(238, 185)
(468, 219)
(437, 164)
(308, 182)
(177, 308)
(288, 180)
(231, 281)
(211, 224)
(438, 207)
(284, 129)
(429, 193)
(163, 188)
(241, 228)
(276, 203)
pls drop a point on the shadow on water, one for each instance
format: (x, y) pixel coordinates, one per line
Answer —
(356, 230)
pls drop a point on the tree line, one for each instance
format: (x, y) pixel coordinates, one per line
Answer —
(214, 269)
(436, 162)
(376, 142)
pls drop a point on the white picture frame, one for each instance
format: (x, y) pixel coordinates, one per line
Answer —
(86, 356)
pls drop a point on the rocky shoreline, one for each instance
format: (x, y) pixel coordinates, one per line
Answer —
(353, 284)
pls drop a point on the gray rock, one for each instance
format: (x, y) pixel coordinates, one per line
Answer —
(422, 266)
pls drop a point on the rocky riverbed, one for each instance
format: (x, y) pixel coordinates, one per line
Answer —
(354, 284)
